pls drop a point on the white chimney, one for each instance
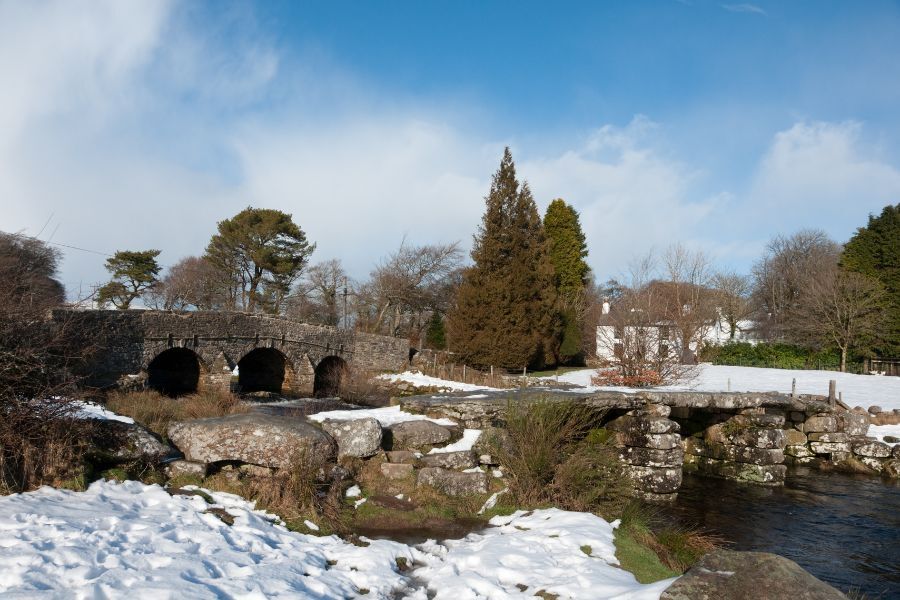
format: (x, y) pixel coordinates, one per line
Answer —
(605, 307)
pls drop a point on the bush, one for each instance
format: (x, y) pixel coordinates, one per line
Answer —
(552, 458)
(156, 412)
(615, 377)
(772, 355)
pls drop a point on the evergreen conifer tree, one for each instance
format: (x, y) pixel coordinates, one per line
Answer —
(504, 307)
(874, 250)
(568, 249)
(435, 335)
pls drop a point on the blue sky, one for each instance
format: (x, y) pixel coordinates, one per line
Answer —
(716, 124)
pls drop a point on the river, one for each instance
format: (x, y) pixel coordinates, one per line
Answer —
(844, 529)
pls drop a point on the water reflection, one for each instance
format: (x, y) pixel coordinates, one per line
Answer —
(844, 529)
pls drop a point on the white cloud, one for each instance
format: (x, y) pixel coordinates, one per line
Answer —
(745, 8)
(819, 174)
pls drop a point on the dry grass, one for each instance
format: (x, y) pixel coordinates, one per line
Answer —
(156, 412)
(678, 548)
(552, 458)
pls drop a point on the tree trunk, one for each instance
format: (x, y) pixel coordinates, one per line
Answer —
(843, 359)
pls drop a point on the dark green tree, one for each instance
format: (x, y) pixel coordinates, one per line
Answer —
(568, 249)
(133, 273)
(874, 250)
(504, 312)
(263, 252)
(435, 335)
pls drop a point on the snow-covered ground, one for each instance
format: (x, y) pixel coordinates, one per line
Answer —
(387, 416)
(420, 380)
(132, 540)
(879, 431)
(857, 390)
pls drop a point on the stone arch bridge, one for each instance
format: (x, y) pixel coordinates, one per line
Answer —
(184, 352)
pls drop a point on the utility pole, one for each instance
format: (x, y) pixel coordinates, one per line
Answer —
(345, 303)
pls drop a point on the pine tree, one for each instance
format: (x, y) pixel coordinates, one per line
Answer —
(874, 250)
(504, 307)
(568, 249)
(435, 335)
(133, 273)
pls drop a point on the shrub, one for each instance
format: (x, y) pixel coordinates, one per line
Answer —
(772, 355)
(552, 458)
(615, 377)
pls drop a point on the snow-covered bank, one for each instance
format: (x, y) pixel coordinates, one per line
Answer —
(118, 540)
(861, 390)
(879, 431)
(387, 416)
(420, 380)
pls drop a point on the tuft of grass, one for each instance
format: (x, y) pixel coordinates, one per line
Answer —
(653, 550)
(553, 455)
(156, 411)
(587, 549)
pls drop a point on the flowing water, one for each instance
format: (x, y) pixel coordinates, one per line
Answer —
(844, 529)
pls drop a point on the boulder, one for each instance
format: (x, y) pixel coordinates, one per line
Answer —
(651, 457)
(820, 423)
(655, 480)
(871, 449)
(358, 438)
(874, 410)
(891, 439)
(895, 453)
(853, 423)
(120, 441)
(186, 467)
(659, 441)
(829, 448)
(401, 456)
(798, 451)
(453, 483)
(417, 434)
(892, 468)
(464, 459)
(643, 425)
(837, 437)
(253, 438)
(396, 470)
(792, 437)
(730, 575)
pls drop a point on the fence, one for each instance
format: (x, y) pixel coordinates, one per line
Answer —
(494, 377)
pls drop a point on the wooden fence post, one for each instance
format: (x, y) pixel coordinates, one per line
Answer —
(832, 391)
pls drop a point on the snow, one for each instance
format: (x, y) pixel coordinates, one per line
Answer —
(879, 431)
(309, 524)
(89, 410)
(540, 550)
(387, 416)
(130, 539)
(858, 390)
(420, 380)
(353, 492)
(470, 436)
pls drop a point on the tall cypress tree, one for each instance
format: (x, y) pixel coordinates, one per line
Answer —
(568, 249)
(874, 250)
(504, 307)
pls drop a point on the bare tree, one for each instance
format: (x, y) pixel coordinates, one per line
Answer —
(637, 344)
(689, 301)
(192, 282)
(405, 287)
(733, 299)
(838, 308)
(780, 275)
(319, 297)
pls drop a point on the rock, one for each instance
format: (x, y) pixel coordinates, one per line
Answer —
(453, 483)
(872, 449)
(891, 439)
(873, 463)
(253, 438)
(638, 425)
(416, 435)
(765, 420)
(653, 410)
(116, 440)
(852, 423)
(401, 456)
(491, 440)
(837, 437)
(730, 575)
(659, 441)
(820, 424)
(761, 474)
(792, 437)
(741, 454)
(654, 479)
(757, 437)
(464, 459)
(874, 410)
(396, 470)
(892, 468)
(828, 448)
(895, 453)
(186, 467)
(359, 438)
(798, 451)
(488, 459)
(651, 457)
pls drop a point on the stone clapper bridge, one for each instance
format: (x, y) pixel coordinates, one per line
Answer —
(184, 352)
(748, 437)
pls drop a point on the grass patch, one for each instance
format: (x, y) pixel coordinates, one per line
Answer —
(156, 412)
(653, 550)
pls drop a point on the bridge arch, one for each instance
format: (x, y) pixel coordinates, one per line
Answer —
(264, 370)
(174, 372)
(330, 374)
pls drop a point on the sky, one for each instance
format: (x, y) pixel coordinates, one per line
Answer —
(141, 124)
